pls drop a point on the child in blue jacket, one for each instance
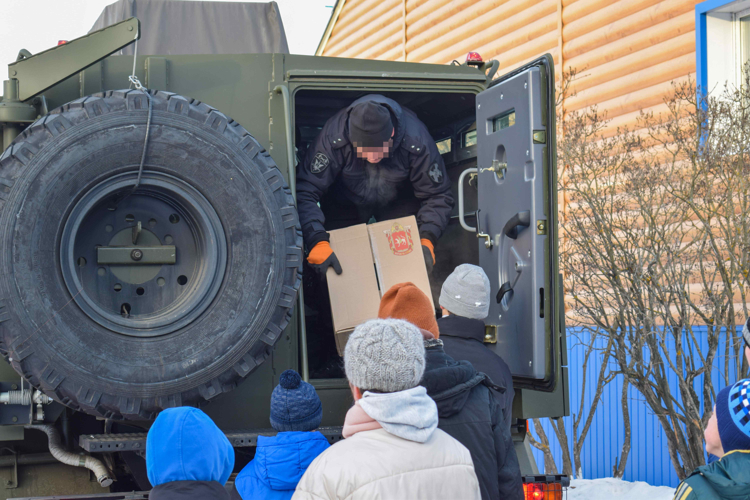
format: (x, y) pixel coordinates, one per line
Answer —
(187, 457)
(281, 460)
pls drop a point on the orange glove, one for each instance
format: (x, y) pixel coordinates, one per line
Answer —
(320, 253)
(321, 257)
(428, 250)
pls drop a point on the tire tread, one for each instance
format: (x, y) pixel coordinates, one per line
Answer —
(12, 163)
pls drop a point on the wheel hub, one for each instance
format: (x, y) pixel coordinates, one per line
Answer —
(146, 263)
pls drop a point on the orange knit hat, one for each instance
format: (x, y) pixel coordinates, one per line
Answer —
(406, 301)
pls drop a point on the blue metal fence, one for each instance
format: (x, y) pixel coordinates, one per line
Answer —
(649, 458)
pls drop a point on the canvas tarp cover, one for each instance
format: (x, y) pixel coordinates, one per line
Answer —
(172, 27)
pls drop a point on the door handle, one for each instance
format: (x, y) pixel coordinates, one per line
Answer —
(520, 220)
(507, 287)
(461, 200)
(498, 168)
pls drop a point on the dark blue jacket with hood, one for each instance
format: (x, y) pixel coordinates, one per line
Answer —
(469, 413)
(279, 463)
(463, 340)
(187, 457)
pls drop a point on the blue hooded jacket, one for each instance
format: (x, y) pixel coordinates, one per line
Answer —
(279, 463)
(184, 444)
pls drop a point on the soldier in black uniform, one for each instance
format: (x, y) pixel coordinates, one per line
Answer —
(374, 158)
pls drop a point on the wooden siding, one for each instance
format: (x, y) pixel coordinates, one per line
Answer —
(626, 52)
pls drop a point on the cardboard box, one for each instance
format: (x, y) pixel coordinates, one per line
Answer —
(397, 252)
(373, 258)
(354, 293)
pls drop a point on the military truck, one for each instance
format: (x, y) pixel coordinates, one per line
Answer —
(152, 256)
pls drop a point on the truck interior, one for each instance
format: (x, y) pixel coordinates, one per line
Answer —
(451, 120)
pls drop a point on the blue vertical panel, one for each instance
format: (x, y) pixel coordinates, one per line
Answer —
(649, 456)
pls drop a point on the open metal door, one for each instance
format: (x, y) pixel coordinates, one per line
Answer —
(517, 220)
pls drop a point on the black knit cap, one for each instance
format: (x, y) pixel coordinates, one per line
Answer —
(370, 125)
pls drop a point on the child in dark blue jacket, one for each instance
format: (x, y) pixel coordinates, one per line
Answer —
(281, 460)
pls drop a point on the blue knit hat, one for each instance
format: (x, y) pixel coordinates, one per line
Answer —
(295, 406)
(733, 416)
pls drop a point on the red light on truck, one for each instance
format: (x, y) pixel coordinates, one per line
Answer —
(474, 59)
(62, 42)
(542, 491)
(533, 491)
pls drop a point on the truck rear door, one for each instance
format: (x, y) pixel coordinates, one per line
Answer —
(516, 223)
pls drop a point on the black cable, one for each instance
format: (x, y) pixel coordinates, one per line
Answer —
(145, 141)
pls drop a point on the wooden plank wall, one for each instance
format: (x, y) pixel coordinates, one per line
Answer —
(626, 52)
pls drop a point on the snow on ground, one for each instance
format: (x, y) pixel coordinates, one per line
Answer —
(616, 489)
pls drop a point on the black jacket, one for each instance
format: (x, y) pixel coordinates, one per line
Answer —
(233, 493)
(189, 490)
(468, 412)
(331, 166)
(463, 340)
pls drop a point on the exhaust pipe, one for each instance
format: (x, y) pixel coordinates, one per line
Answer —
(56, 449)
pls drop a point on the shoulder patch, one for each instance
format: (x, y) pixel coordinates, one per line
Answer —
(435, 173)
(683, 491)
(320, 162)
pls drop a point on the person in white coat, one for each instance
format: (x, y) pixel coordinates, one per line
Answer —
(393, 448)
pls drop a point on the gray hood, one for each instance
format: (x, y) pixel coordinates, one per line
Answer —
(409, 414)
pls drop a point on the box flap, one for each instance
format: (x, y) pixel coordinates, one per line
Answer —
(398, 255)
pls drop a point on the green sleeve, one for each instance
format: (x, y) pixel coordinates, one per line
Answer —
(684, 492)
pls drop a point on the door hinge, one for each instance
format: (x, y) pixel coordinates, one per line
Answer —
(480, 234)
(540, 137)
(490, 334)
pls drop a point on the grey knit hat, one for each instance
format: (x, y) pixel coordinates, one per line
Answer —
(466, 292)
(385, 355)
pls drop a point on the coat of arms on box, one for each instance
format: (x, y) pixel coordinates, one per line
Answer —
(399, 239)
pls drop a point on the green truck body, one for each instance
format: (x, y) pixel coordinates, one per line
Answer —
(282, 100)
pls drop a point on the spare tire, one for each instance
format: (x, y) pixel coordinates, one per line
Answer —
(122, 303)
